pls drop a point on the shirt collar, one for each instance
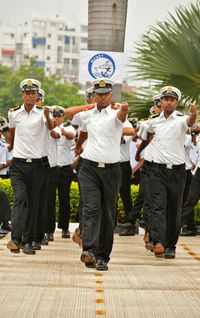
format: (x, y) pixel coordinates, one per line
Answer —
(105, 110)
(34, 109)
(172, 115)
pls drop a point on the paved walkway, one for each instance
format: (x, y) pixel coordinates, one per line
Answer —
(54, 283)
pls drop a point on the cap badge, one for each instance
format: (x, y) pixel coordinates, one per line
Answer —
(29, 83)
(56, 109)
(169, 89)
(102, 84)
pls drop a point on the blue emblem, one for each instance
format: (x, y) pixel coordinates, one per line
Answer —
(101, 65)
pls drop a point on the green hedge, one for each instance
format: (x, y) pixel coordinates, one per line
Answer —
(6, 186)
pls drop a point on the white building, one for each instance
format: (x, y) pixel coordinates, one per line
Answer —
(54, 45)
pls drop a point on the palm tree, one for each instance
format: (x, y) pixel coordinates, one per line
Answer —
(169, 54)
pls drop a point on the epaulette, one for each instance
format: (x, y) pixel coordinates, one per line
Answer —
(15, 108)
(37, 106)
(115, 106)
(89, 107)
(154, 116)
(179, 114)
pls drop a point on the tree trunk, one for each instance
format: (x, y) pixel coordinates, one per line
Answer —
(106, 28)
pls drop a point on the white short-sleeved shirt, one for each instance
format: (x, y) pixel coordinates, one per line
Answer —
(52, 148)
(64, 145)
(169, 138)
(125, 145)
(104, 135)
(3, 153)
(77, 119)
(29, 132)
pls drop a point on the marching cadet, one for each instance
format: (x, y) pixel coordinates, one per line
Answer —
(26, 123)
(100, 174)
(64, 173)
(41, 217)
(167, 176)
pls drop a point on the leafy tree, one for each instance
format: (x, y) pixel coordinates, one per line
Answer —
(169, 53)
(55, 92)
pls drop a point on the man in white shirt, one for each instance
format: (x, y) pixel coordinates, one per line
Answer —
(100, 174)
(64, 136)
(192, 198)
(27, 123)
(167, 176)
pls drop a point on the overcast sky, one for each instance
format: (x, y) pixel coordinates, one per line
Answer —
(141, 13)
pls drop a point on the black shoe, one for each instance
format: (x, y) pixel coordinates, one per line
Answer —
(170, 252)
(36, 246)
(188, 232)
(90, 265)
(87, 257)
(101, 265)
(51, 237)
(45, 240)
(13, 246)
(118, 228)
(28, 249)
(65, 234)
(2, 231)
(128, 232)
(6, 226)
(141, 223)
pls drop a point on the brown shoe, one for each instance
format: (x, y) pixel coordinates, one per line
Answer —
(87, 257)
(159, 250)
(146, 237)
(77, 237)
(149, 246)
(13, 247)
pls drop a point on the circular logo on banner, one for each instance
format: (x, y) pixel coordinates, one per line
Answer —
(101, 65)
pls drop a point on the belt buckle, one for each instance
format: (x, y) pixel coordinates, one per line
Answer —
(169, 166)
(101, 165)
(29, 160)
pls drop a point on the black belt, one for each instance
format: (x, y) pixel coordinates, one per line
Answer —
(101, 164)
(168, 166)
(125, 163)
(27, 160)
(67, 166)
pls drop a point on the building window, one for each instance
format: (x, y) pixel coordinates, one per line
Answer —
(39, 41)
(60, 37)
(48, 47)
(49, 35)
(48, 58)
(67, 40)
(34, 46)
(84, 28)
(73, 40)
(12, 35)
(74, 62)
(83, 40)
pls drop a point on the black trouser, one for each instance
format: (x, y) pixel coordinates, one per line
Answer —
(192, 200)
(125, 188)
(51, 201)
(166, 187)
(26, 180)
(99, 188)
(80, 206)
(64, 180)
(139, 201)
(190, 218)
(5, 212)
(146, 170)
(41, 217)
(143, 199)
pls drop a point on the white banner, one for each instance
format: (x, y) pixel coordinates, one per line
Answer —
(97, 64)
